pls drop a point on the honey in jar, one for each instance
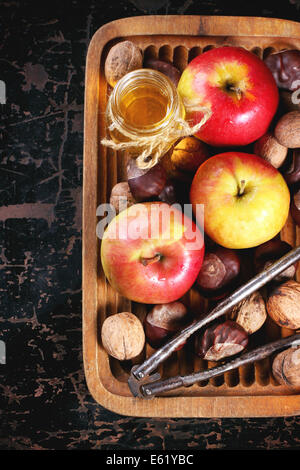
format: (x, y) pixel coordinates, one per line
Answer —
(144, 104)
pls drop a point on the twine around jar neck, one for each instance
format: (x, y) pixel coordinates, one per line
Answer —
(155, 146)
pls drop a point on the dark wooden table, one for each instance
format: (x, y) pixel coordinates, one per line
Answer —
(44, 400)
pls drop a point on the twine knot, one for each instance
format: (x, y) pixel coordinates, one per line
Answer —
(151, 148)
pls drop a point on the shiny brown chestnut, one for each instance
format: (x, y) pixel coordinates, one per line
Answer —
(288, 102)
(222, 340)
(145, 184)
(164, 67)
(164, 321)
(285, 67)
(175, 192)
(295, 207)
(169, 193)
(292, 174)
(269, 252)
(219, 272)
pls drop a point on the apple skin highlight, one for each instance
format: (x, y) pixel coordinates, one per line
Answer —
(246, 200)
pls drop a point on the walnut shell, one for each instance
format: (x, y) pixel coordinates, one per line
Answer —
(270, 150)
(123, 336)
(286, 367)
(121, 197)
(250, 313)
(292, 173)
(283, 305)
(121, 59)
(287, 130)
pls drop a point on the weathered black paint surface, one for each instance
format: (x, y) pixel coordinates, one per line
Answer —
(44, 400)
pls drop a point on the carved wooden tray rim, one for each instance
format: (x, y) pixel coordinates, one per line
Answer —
(104, 387)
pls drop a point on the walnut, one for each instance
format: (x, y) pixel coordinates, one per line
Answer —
(123, 336)
(121, 197)
(270, 150)
(286, 367)
(287, 130)
(121, 59)
(250, 313)
(283, 305)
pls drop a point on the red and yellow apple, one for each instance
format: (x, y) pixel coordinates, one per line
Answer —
(152, 253)
(246, 200)
(238, 89)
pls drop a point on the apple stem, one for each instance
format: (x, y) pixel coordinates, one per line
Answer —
(239, 93)
(236, 90)
(242, 187)
(154, 259)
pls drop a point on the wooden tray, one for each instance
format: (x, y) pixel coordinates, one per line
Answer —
(249, 392)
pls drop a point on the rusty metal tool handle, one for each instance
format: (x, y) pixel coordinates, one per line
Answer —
(149, 390)
(141, 371)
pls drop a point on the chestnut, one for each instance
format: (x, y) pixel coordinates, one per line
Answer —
(221, 340)
(164, 67)
(173, 172)
(267, 253)
(175, 192)
(219, 272)
(295, 207)
(287, 101)
(189, 153)
(145, 184)
(164, 321)
(285, 67)
(169, 193)
(292, 174)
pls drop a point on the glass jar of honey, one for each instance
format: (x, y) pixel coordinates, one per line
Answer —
(144, 111)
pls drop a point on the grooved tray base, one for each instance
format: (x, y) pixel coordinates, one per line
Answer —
(249, 391)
